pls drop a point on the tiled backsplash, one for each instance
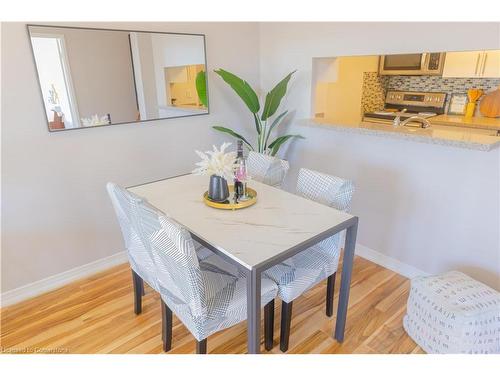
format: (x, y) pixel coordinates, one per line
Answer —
(435, 83)
(375, 87)
(440, 84)
(374, 90)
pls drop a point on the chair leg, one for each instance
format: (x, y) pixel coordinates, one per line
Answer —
(286, 320)
(269, 325)
(166, 327)
(330, 291)
(138, 287)
(201, 347)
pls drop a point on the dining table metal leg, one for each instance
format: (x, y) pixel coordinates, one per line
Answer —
(345, 283)
(253, 311)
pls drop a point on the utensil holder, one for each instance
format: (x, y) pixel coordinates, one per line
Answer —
(470, 109)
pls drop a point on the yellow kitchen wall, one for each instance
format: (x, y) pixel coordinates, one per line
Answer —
(343, 97)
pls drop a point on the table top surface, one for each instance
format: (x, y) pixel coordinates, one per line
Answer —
(278, 222)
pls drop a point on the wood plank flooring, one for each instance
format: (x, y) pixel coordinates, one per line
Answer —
(95, 315)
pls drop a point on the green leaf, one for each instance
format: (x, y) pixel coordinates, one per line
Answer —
(201, 87)
(258, 125)
(278, 142)
(273, 97)
(242, 88)
(233, 134)
(276, 121)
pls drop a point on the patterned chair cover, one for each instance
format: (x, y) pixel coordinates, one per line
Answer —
(306, 269)
(453, 313)
(267, 169)
(325, 189)
(207, 295)
(125, 205)
(140, 259)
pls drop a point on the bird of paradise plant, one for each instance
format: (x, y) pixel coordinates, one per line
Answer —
(263, 124)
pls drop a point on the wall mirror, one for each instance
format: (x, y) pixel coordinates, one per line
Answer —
(95, 77)
(376, 89)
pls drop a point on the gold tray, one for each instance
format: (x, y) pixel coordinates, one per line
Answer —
(230, 205)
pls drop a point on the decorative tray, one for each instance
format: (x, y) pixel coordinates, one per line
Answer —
(229, 203)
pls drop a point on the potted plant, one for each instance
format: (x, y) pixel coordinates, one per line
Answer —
(263, 124)
(219, 165)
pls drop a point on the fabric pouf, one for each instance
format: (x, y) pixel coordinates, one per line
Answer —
(453, 313)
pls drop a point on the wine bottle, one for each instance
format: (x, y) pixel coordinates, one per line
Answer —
(240, 161)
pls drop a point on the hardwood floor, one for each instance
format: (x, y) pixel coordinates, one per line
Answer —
(96, 315)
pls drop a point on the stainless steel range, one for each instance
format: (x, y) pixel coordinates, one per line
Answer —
(401, 105)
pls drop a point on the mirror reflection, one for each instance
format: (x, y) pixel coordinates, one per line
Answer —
(96, 77)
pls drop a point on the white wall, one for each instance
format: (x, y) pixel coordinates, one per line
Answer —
(431, 207)
(55, 211)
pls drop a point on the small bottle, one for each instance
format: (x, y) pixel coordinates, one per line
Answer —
(239, 166)
(243, 178)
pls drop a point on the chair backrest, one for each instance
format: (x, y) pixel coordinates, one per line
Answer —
(177, 268)
(126, 206)
(267, 169)
(326, 189)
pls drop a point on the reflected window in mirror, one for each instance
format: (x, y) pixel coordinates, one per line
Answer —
(55, 80)
(96, 77)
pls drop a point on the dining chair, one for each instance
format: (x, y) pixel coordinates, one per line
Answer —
(267, 169)
(303, 271)
(208, 295)
(140, 259)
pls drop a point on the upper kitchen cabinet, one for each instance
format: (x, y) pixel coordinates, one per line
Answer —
(462, 64)
(477, 64)
(491, 64)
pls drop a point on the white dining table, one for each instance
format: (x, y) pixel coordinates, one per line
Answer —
(278, 226)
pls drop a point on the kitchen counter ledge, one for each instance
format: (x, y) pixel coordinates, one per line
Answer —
(454, 137)
(468, 122)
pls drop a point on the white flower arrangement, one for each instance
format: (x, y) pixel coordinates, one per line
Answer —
(216, 162)
(95, 120)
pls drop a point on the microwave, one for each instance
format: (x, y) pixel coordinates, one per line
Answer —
(412, 64)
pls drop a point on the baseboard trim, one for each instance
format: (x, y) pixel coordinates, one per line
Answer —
(388, 262)
(56, 281)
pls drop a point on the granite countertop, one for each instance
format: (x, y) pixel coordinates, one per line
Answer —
(469, 122)
(461, 138)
